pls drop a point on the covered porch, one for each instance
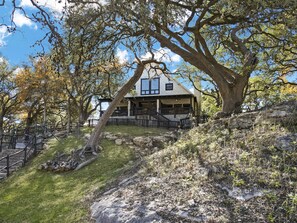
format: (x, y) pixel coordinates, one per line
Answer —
(168, 106)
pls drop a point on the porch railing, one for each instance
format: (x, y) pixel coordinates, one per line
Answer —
(149, 111)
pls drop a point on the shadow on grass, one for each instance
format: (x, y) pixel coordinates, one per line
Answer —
(31, 195)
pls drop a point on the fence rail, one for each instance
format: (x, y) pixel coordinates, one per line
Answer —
(19, 158)
(138, 122)
(20, 144)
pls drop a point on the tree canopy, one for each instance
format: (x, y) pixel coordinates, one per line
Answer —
(8, 94)
(224, 39)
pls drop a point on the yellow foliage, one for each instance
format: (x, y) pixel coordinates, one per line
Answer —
(40, 81)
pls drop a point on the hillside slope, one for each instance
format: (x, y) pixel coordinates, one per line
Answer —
(238, 169)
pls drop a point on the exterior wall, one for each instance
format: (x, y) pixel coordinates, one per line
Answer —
(178, 89)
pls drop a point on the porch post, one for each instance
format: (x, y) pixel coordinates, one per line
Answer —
(129, 107)
(192, 105)
(158, 105)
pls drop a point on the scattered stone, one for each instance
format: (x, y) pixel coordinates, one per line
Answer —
(142, 141)
(242, 194)
(287, 142)
(118, 142)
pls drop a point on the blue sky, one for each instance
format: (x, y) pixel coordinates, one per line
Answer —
(16, 47)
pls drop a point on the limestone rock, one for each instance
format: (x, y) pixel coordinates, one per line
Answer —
(143, 141)
(118, 141)
(287, 142)
(242, 194)
(242, 121)
(113, 209)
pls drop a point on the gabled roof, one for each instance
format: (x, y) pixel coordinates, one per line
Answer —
(178, 88)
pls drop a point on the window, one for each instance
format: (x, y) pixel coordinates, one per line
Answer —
(150, 86)
(169, 87)
(155, 86)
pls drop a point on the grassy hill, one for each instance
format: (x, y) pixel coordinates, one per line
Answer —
(31, 195)
(238, 169)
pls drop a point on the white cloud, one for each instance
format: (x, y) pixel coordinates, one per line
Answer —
(122, 55)
(18, 70)
(164, 55)
(53, 5)
(3, 34)
(58, 6)
(21, 20)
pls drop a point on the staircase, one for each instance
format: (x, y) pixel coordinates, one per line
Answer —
(159, 117)
(162, 121)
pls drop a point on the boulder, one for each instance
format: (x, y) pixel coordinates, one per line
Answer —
(143, 141)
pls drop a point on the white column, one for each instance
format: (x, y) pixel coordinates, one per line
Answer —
(158, 105)
(129, 107)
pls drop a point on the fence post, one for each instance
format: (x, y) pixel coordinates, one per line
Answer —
(25, 155)
(34, 145)
(7, 165)
(1, 142)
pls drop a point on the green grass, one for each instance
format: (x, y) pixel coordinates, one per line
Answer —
(135, 131)
(31, 195)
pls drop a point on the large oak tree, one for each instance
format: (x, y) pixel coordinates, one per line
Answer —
(225, 39)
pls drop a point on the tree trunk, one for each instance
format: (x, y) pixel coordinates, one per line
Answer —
(68, 116)
(1, 125)
(83, 114)
(95, 137)
(233, 95)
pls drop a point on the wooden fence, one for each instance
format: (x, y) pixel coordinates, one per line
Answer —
(11, 162)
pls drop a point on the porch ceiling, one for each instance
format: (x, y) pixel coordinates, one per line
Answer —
(176, 101)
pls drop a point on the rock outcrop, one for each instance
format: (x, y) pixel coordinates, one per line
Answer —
(236, 169)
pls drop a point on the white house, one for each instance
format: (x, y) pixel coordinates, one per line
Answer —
(159, 97)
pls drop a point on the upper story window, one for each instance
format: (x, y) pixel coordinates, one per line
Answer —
(169, 86)
(150, 86)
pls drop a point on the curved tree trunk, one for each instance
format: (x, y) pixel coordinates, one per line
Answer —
(95, 137)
